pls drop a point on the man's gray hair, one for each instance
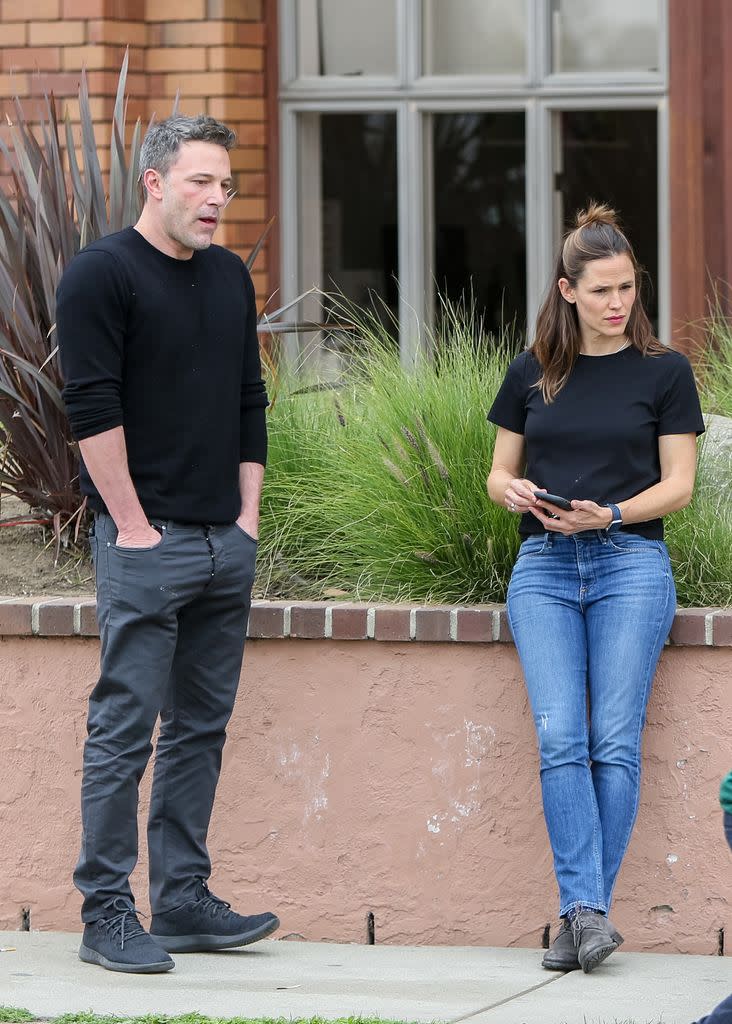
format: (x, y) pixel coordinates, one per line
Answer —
(164, 138)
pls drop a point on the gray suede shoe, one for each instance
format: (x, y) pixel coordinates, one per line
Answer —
(594, 938)
(562, 954)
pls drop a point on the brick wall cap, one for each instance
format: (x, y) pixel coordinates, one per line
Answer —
(355, 620)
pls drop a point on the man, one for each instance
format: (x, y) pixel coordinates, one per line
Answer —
(164, 392)
(723, 1013)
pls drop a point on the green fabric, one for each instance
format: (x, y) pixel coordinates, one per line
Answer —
(725, 793)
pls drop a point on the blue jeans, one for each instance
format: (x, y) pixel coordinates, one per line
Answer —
(589, 614)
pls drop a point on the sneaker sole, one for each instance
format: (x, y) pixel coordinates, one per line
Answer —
(597, 956)
(211, 943)
(91, 956)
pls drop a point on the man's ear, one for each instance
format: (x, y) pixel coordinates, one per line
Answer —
(152, 181)
(568, 293)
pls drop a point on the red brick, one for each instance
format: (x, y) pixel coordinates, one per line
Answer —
(689, 626)
(100, 57)
(307, 621)
(30, 10)
(83, 8)
(15, 34)
(252, 134)
(392, 623)
(56, 33)
(134, 33)
(266, 620)
(59, 84)
(175, 10)
(121, 10)
(505, 635)
(15, 85)
(349, 622)
(722, 628)
(245, 10)
(475, 625)
(235, 58)
(15, 616)
(229, 108)
(197, 33)
(252, 34)
(30, 58)
(88, 625)
(176, 58)
(432, 624)
(55, 618)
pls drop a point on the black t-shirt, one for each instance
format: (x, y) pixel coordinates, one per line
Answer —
(168, 350)
(598, 439)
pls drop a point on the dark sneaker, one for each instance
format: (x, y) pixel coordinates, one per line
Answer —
(594, 937)
(562, 954)
(207, 923)
(120, 943)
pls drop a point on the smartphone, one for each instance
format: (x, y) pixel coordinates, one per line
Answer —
(553, 499)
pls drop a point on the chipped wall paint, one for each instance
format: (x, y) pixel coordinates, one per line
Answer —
(393, 778)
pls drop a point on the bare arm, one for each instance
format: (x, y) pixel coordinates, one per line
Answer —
(251, 477)
(677, 454)
(506, 486)
(105, 456)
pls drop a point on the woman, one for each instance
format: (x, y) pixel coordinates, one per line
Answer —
(602, 414)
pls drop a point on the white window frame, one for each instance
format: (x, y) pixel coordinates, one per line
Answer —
(413, 98)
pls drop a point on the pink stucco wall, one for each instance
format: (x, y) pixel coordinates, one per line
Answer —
(396, 778)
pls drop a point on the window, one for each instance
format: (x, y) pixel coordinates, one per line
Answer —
(439, 148)
(474, 37)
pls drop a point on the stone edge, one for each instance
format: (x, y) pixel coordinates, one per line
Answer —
(319, 620)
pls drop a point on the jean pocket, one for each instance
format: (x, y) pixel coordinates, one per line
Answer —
(630, 543)
(247, 536)
(536, 545)
(137, 551)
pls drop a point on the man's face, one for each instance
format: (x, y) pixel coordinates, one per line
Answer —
(194, 193)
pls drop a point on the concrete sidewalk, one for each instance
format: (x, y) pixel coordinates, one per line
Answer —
(301, 979)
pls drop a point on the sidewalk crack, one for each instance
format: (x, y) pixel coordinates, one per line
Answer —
(504, 1002)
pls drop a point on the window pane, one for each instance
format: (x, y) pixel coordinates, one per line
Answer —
(346, 37)
(474, 37)
(348, 208)
(611, 156)
(605, 35)
(480, 214)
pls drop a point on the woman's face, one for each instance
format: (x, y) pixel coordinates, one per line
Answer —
(604, 296)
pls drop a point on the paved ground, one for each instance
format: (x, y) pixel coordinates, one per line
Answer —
(301, 979)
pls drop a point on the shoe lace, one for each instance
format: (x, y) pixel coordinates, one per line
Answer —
(578, 919)
(125, 924)
(211, 904)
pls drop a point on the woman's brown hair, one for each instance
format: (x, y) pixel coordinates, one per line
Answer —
(595, 236)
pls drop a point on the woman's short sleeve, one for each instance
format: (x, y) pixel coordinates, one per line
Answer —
(509, 406)
(679, 411)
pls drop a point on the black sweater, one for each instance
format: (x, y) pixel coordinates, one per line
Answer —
(168, 350)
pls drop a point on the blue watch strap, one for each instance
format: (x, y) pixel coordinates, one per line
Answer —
(617, 519)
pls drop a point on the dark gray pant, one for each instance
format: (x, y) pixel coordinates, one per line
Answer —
(172, 621)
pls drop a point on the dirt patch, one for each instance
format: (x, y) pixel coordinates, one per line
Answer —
(27, 555)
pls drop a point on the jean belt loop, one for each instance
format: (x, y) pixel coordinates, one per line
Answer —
(549, 539)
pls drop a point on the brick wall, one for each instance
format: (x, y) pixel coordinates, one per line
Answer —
(214, 52)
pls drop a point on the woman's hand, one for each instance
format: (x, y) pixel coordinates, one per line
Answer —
(585, 515)
(520, 496)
